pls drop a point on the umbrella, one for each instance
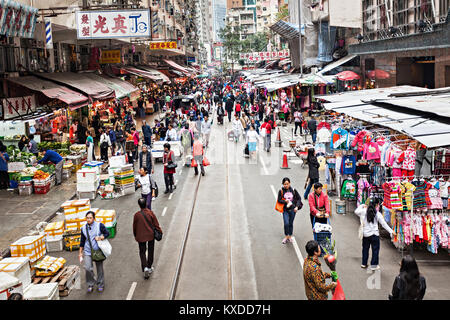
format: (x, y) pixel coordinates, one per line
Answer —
(314, 79)
(347, 75)
(378, 74)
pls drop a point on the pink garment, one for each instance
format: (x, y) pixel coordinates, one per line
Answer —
(323, 124)
(396, 154)
(406, 222)
(371, 151)
(409, 161)
(359, 140)
(197, 149)
(396, 172)
(136, 138)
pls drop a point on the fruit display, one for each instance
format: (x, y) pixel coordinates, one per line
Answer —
(41, 175)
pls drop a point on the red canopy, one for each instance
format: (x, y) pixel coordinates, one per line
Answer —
(378, 74)
(347, 75)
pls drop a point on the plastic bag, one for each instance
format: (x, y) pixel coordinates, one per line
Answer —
(193, 163)
(338, 292)
(105, 246)
(205, 162)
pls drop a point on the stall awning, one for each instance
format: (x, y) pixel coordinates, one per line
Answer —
(52, 90)
(94, 89)
(335, 64)
(143, 73)
(121, 88)
(156, 73)
(177, 66)
(287, 30)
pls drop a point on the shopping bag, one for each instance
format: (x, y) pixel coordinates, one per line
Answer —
(105, 246)
(193, 163)
(205, 162)
(338, 292)
(279, 207)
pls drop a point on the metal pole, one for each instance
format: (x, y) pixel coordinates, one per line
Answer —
(300, 36)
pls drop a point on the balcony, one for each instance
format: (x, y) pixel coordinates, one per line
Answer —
(247, 21)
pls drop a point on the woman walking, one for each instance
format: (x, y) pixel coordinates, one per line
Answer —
(105, 143)
(148, 186)
(369, 218)
(291, 202)
(313, 171)
(409, 284)
(252, 138)
(90, 146)
(169, 168)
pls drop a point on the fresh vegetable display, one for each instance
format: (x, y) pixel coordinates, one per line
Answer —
(77, 148)
(29, 171)
(49, 168)
(53, 145)
(41, 175)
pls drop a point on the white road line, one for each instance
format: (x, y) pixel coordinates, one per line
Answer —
(170, 196)
(131, 292)
(180, 172)
(264, 165)
(297, 251)
(273, 191)
(164, 211)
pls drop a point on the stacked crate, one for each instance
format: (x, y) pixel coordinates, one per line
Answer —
(124, 179)
(88, 181)
(54, 236)
(32, 247)
(108, 218)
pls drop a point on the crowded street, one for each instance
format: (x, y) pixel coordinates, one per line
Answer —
(257, 151)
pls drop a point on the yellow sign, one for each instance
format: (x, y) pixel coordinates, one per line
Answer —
(163, 45)
(110, 56)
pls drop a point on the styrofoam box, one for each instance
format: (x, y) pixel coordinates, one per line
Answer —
(117, 161)
(42, 291)
(88, 186)
(86, 175)
(97, 169)
(87, 195)
(54, 245)
(9, 285)
(18, 267)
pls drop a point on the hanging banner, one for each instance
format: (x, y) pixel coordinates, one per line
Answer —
(14, 107)
(110, 56)
(266, 55)
(17, 20)
(113, 24)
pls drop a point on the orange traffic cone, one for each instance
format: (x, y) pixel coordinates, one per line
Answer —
(285, 162)
(278, 141)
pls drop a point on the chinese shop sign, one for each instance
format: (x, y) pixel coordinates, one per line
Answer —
(110, 56)
(14, 107)
(113, 24)
(260, 56)
(163, 45)
(17, 20)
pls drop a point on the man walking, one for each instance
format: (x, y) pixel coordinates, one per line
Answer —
(143, 223)
(206, 131)
(314, 277)
(147, 131)
(312, 126)
(146, 159)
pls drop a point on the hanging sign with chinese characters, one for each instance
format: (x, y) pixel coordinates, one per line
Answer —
(113, 24)
(163, 45)
(16, 19)
(110, 56)
(260, 56)
(14, 107)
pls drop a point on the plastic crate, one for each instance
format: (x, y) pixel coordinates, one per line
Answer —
(25, 190)
(42, 189)
(13, 184)
(112, 230)
(54, 245)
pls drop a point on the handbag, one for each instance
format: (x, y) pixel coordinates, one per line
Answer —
(279, 206)
(171, 164)
(157, 234)
(97, 254)
(105, 246)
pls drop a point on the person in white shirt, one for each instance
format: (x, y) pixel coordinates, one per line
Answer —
(369, 219)
(323, 135)
(252, 139)
(105, 144)
(171, 134)
(298, 121)
(206, 131)
(237, 127)
(148, 186)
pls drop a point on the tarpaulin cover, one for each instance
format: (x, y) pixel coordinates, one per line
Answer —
(122, 88)
(177, 66)
(155, 72)
(52, 90)
(94, 89)
(143, 73)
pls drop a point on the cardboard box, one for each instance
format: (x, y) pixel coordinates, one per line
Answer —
(107, 217)
(18, 267)
(42, 291)
(54, 231)
(9, 285)
(32, 247)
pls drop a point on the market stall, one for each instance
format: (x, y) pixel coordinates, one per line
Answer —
(369, 149)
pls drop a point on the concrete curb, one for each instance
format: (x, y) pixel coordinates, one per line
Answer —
(7, 252)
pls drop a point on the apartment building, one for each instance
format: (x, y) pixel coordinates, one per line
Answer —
(408, 39)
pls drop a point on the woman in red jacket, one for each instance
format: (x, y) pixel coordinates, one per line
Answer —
(319, 207)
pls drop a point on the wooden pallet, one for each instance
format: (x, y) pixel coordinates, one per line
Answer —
(66, 279)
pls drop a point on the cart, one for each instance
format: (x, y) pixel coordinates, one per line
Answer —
(322, 235)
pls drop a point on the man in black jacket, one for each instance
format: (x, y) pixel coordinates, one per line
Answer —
(146, 160)
(312, 126)
(147, 131)
(229, 107)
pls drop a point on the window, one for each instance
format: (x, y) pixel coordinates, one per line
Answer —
(265, 9)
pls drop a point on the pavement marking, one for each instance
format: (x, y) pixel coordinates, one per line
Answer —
(264, 165)
(273, 191)
(170, 196)
(164, 211)
(180, 172)
(131, 292)
(297, 251)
